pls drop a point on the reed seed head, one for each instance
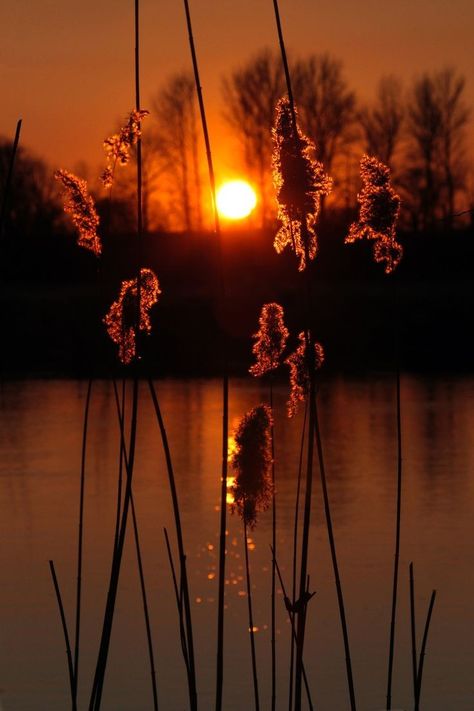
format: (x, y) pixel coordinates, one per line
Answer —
(299, 365)
(80, 205)
(378, 216)
(300, 182)
(117, 147)
(270, 339)
(122, 316)
(251, 462)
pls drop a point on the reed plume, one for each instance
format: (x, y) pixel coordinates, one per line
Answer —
(270, 339)
(80, 205)
(252, 461)
(117, 147)
(121, 319)
(252, 491)
(300, 183)
(378, 216)
(299, 365)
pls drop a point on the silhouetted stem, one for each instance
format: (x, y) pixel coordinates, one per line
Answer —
(397, 541)
(423, 651)
(413, 630)
(291, 617)
(98, 684)
(332, 546)
(8, 182)
(66, 635)
(295, 553)
(80, 538)
(182, 557)
(123, 457)
(120, 474)
(251, 625)
(274, 549)
(179, 602)
(225, 379)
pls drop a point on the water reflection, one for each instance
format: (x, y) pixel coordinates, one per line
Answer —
(40, 436)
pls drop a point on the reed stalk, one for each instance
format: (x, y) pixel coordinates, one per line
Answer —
(274, 551)
(80, 538)
(291, 617)
(225, 377)
(70, 665)
(179, 601)
(123, 458)
(120, 474)
(251, 625)
(335, 565)
(184, 586)
(301, 614)
(295, 552)
(398, 512)
(97, 688)
(8, 182)
(413, 629)
(423, 651)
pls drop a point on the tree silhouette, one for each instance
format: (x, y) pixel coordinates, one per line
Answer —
(250, 95)
(175, 139)
(382, 122)
(437, 117)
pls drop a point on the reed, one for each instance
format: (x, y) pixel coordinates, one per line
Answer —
(8, 182)
(80, 538)
(304, 242)
(251, 624)
(70, 664)
(225, 376)
(184, 585)
(120, 406)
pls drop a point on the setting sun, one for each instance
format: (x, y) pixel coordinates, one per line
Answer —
(236, 199)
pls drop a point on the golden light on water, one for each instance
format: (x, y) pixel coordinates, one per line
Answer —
(236, 199)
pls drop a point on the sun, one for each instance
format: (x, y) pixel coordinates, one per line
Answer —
(236, 199)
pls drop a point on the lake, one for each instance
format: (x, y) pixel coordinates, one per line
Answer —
(41, 434)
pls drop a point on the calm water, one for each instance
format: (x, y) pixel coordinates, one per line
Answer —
(40, 433)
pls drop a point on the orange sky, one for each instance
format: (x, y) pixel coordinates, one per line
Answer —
(67, 68)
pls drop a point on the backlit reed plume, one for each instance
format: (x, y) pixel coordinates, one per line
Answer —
(122, 316)
(379, 210)
(270, 339)
(79, 204)
(251, 462)
(117, 147)
(299, 365)
(300, 182)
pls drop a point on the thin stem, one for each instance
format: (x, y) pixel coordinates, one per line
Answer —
(123, 457)
(8, 182)
(332, 545)
(120, 474)
(179, 602)
(225, 378)
(80, 538)
(182, 556)
(295, 552)
(66, 635)
(397, 527)
(291, 617)
(285, 64)
(413, 630)
(274, 549)
(151, 655)
(423, 650)
(96, 695)
(251, 625)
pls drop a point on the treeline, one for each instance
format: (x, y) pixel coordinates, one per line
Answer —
(418, 130)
